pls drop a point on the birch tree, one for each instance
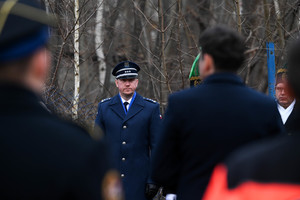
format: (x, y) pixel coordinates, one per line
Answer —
(98, 45)
(161, 36)
(238, 14)
(76, 62)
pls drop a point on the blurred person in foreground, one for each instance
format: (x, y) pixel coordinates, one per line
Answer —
(286, 103)
(204, 124)
(267, 169)
(131, 125)
(41, 156)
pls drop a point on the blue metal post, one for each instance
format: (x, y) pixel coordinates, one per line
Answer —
(271, 68)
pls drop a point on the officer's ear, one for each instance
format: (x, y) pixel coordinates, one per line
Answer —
(117, 83)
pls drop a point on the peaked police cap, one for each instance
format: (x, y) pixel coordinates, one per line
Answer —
(126, 70)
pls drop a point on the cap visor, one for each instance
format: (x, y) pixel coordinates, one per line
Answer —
(127, 77)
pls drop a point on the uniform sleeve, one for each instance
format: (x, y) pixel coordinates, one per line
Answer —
(99, 118)
(155, 127)
(154, 134)
(165, 165)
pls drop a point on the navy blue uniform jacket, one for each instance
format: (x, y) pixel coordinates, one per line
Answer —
(43, 157)
(131, 138)
(204, 124)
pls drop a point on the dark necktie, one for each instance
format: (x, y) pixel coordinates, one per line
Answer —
(125, 105)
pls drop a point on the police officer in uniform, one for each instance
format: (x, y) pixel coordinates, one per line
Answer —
(131, 125)
(42, 157)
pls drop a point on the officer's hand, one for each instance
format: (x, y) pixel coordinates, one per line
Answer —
(151, 190)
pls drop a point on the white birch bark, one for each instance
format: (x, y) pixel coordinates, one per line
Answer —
(76, 62)
(276, 5)
(98, 44)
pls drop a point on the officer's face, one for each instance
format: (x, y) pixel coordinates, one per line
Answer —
(283, 95)
(127, 86)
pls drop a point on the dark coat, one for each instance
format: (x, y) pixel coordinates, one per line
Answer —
(43, 157)
(292, 124)
(268, 169)
(131, 138)
(204, 124)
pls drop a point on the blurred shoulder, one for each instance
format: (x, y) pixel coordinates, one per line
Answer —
(256, 161)
(261, 98)
(185, 94)
(65, 129)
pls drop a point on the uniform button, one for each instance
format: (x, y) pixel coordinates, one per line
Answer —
(124, 126)
(122, 175)
(123, 159)
(123, 142)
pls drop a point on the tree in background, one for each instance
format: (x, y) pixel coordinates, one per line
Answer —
(159, 35)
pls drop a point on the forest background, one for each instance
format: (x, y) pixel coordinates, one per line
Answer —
(161, 36)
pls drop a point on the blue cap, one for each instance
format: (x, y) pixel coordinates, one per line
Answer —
(23, 28)
(126, 70)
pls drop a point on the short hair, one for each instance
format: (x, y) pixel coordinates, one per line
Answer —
(226, 47)
(294, 67)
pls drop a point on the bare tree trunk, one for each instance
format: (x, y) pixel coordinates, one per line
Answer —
(179, 4)
(76, 62)
(163, 58)
(149, 62)
(278, 22)
(137, 28)
(238, 14)
(98, 45)
(110, 16)
(267, 20)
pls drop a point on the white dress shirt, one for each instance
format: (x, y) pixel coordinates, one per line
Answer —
(171, 197)
(123, 100)
(285, 113)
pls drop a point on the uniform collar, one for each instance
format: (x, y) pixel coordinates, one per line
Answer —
(138, 100)
(129, 101)
(137, 105)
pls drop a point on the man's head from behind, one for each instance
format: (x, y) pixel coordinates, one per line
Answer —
(294, 67)
(222, 51)
(23, 36)
(283, 91)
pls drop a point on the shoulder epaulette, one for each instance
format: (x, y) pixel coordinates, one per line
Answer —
(104, 100)
(150, 100)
